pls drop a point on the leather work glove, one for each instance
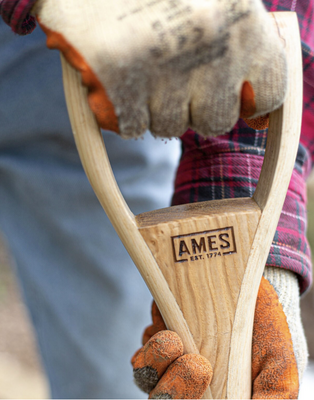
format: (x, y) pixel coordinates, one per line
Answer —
(167, 65)
(278, 354)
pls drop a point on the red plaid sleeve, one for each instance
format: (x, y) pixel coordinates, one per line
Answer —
(16, 13)
(229, 166)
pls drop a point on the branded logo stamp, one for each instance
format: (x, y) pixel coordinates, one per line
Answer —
(202, 245)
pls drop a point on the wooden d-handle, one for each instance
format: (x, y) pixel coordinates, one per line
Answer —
(203, 262)
(281, 150)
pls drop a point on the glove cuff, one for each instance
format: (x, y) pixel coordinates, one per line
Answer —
(286, 286)
(16, 13)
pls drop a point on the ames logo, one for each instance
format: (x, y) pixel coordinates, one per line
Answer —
(202, 245)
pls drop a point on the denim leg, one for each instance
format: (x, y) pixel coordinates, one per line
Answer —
(86, 299)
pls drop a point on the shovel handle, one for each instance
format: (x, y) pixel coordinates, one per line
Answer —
(282, 144)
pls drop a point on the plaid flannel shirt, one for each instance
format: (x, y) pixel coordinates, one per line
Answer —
(229, 165)
(16, 13)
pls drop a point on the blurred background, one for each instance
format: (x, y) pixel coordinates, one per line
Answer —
(21, 373)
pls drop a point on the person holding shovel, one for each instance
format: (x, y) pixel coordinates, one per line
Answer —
(172, 65)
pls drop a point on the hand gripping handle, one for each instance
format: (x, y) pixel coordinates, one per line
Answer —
(282, 144)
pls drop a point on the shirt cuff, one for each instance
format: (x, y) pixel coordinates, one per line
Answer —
(16, 13)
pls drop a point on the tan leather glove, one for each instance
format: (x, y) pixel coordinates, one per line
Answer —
(167, 65)
(278, 357)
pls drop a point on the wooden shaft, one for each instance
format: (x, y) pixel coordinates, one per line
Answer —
(252, 222)
(95, 161)
(93, 154)
(281, 151)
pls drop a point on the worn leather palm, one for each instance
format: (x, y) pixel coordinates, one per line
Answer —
(167, 65)
(161, 369)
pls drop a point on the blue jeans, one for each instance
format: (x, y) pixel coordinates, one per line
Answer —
(86, 299)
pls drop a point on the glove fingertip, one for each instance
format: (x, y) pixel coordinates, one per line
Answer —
(152, 360)
(248, 105)
(135, 356)
(258, 123)
(187, 378)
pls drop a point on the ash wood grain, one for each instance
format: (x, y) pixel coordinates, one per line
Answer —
(206, 297)
(202, 250)
(96, 164)
(281, 151)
